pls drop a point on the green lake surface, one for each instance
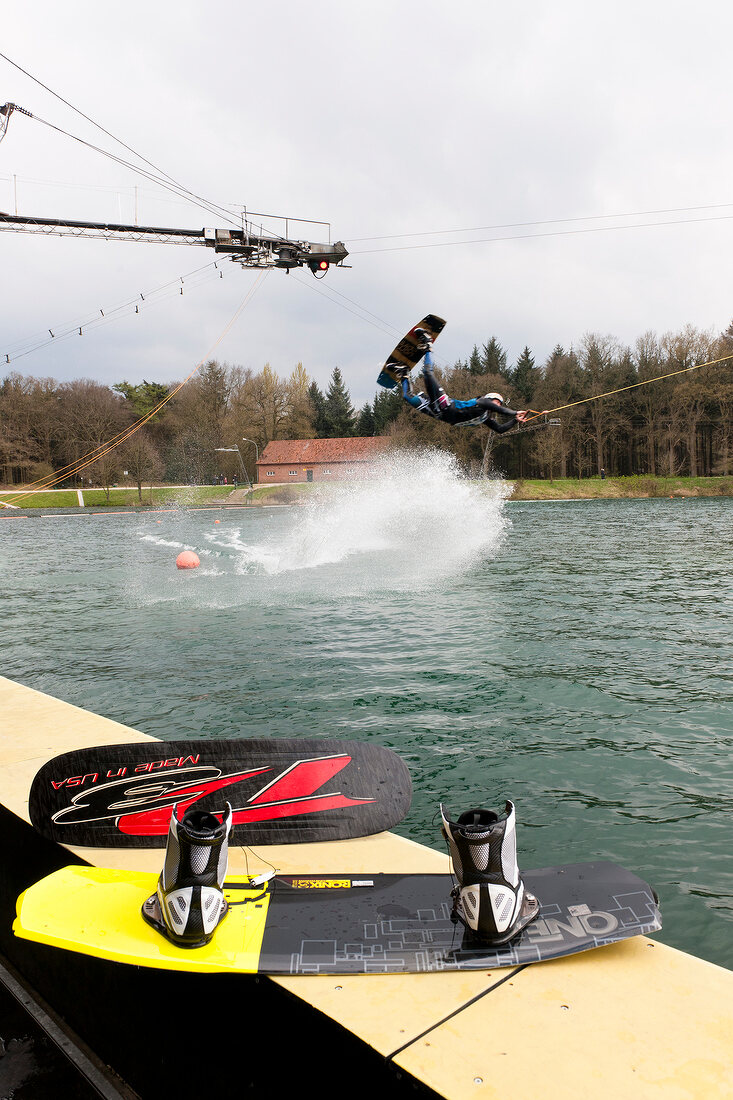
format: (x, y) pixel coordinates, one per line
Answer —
(576, 657)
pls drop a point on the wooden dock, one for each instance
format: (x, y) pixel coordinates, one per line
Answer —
(636, 1019)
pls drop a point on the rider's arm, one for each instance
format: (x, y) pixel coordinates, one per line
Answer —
(494, 407)
(495, 426)
(418, 401)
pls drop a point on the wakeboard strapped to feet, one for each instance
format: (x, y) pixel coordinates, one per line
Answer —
(410, 350)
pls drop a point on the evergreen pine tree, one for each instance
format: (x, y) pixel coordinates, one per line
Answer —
(387, 407)
(319, 410)
(475, 364)
(493, 360)
(525, 376)
(338, 410)
(144, 397)
(556, 355)
(365, 421)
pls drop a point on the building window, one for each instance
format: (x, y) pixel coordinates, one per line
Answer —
(270, 473)
(293, 473)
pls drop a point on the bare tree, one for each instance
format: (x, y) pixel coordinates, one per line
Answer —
(301, 413)
(562, 384)
(650, 401)
(269, 404)
(548, 450)
(198, 413)
(106, 471)
(690, 395)
(599, 360)
(141, 459)
(91, 417)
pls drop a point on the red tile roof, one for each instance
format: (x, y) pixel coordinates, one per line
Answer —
(284, 451)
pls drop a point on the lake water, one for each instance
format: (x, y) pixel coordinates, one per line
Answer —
(576, 657)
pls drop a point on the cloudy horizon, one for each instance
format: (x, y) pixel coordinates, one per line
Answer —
(508, 163)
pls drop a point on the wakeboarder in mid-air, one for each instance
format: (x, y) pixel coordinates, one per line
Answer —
(434, 401)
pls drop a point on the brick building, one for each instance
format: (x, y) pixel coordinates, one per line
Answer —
(286, 460)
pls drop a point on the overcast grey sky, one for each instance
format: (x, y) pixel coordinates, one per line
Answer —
(382, 118)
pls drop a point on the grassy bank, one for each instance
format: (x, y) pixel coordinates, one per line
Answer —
(615, 488)
(213, 496)
(166, 496)
(560, 489)
(157, 497)
(591, 488)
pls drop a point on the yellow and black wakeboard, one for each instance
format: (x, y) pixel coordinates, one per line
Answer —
(335, 924)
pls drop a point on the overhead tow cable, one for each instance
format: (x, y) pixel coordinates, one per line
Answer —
(105, 448)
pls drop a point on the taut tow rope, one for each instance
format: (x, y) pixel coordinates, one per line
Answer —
(633, 386)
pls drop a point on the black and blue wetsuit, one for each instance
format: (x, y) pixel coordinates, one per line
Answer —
(436, 403)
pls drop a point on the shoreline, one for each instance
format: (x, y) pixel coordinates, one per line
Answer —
(637, 487)
(617, 1004)
(172, 498)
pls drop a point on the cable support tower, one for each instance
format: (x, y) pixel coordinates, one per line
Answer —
(548, 422)
(243, 246)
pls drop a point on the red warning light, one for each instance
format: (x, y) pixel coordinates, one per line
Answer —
(319, 267)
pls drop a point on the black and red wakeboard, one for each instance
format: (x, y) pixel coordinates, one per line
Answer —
(282, 791)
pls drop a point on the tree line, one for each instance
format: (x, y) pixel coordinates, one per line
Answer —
(682, 425)
(47, 427)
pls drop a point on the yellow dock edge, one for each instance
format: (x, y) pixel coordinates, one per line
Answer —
(636, 1019)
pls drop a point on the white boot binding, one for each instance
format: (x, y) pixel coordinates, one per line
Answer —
(490, 898)
(189, 902)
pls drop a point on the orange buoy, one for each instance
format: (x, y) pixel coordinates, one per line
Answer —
(217, 521)
(187, 560)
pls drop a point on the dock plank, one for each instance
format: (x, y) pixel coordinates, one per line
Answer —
(637, 1018)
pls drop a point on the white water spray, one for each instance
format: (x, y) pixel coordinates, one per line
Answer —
(415, 514)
